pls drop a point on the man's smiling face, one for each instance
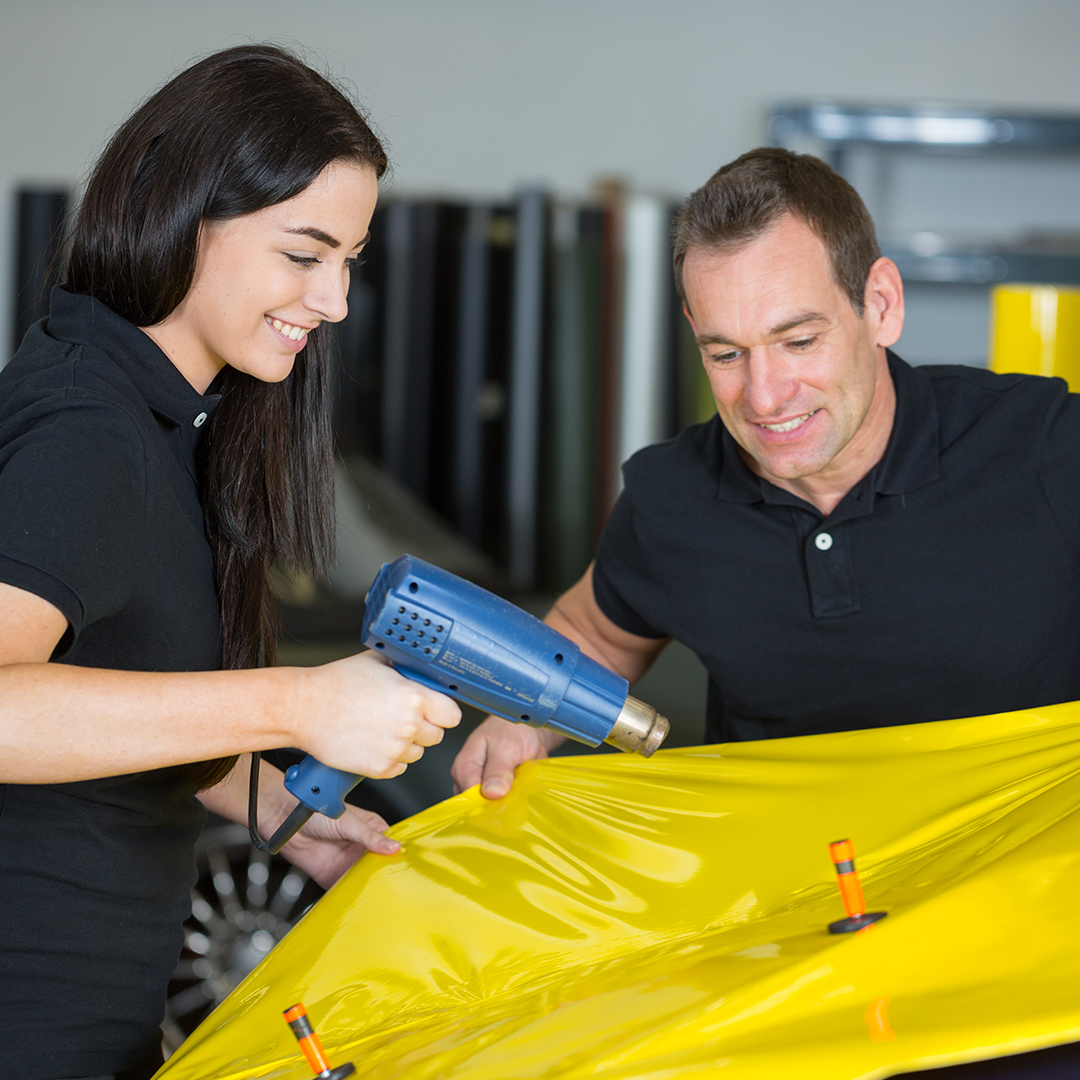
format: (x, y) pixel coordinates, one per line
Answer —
(799, 377)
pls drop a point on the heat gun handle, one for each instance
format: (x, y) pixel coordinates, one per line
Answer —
(320, 788)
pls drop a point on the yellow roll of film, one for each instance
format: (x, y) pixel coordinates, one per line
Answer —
(1035, 330)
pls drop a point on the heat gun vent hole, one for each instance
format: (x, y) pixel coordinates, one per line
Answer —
(558, 658)
(380, 645)
(524, 716)
(452, 687)
(413, 586)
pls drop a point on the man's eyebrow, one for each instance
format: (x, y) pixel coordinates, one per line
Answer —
(798, 320)
(781, 328)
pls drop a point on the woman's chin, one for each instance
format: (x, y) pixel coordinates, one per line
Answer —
(269, 370)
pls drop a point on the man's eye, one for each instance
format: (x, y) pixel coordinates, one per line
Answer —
(803, 343)
(725, 357)
(301, 260)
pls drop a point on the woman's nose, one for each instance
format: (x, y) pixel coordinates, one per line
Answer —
(329, 299)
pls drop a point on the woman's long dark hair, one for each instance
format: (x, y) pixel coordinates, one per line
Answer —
(243, 129)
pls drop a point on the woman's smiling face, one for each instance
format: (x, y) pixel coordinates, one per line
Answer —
(264, 280)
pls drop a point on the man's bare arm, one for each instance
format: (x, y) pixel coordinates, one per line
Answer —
(577, 615)
(496, 748)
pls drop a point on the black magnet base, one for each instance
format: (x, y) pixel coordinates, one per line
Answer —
(855, 922)
(339, 1073)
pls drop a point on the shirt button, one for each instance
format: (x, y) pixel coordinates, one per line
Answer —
(201, 419)
(823, 541)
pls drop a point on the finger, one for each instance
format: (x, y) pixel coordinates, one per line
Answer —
(429, 735)
(373, 839)
(371, 819)
(441, 710)
(468, 767)
(503, 758)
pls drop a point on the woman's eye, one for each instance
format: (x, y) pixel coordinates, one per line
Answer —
(301, 260)
(353, 263)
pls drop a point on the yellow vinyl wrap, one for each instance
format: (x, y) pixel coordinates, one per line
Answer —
(1035, 330)
(624, 918)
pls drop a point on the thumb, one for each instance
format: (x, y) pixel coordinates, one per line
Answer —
(503, 757)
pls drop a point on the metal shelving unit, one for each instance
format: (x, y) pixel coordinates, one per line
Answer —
(963, 197)
(839, 132)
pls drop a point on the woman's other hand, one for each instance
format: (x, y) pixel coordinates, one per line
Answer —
(326, 847)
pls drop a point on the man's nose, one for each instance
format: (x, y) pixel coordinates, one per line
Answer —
(769, 384)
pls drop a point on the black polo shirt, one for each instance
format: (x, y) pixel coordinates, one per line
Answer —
(946, 583)
(100, 514)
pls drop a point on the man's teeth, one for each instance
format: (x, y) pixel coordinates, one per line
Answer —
(789, 425)
(294, 332)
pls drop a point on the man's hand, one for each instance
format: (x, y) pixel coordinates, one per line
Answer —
(497, 747)
(494, 750)
(326, 847)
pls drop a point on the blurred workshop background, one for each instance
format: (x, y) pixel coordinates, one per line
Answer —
(513, 333)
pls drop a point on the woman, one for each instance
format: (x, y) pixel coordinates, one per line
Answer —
(164, 440)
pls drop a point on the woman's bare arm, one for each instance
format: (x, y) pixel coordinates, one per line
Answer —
(60, 723)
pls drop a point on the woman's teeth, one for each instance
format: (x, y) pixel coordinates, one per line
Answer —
(789, 425)
(293, 332)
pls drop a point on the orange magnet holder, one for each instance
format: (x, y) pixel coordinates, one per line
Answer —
(296, 1017)
(842, 853)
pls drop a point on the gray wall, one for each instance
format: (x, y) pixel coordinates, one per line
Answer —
(477, 96)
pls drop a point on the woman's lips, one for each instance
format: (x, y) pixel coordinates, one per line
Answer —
(293, 337)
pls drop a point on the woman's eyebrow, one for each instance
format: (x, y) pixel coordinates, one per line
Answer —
(315, 234)
(323, 237)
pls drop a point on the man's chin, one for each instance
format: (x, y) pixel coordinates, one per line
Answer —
(789, 466)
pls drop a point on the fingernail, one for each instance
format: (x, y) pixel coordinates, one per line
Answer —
(494, 789)
(391, 846)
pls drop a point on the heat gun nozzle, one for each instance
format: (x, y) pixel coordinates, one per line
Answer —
(639, 728)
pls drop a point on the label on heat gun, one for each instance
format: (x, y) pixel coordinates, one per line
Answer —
(491, 666)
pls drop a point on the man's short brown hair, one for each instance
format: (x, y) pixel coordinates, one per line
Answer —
(744, 198)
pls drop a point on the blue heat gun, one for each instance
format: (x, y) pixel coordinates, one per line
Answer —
(464, 641)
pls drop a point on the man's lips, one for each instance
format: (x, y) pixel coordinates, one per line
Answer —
(783, 427)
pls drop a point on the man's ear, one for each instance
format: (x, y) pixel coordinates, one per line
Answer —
(689, 317)
(884, 300)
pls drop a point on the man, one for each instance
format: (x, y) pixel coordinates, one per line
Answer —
(851, 542)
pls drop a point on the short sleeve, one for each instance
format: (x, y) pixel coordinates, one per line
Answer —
(72, 509)
(621, 575)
